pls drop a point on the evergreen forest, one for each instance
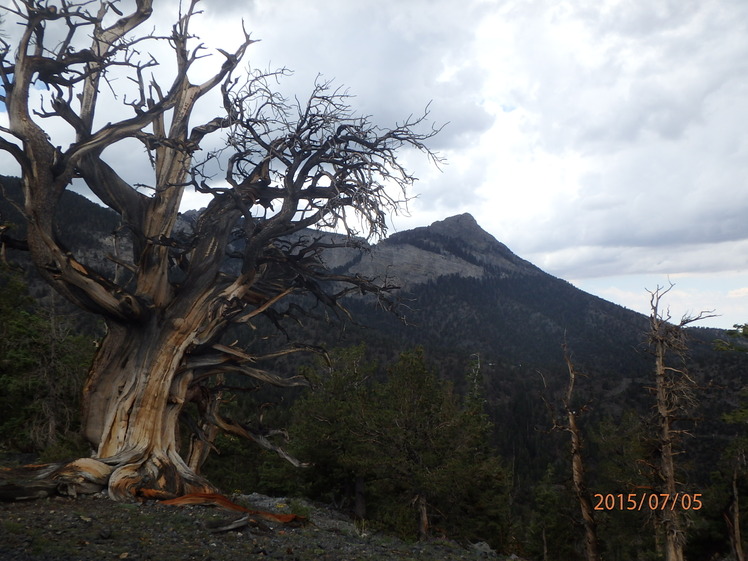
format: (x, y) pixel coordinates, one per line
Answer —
(452, 424)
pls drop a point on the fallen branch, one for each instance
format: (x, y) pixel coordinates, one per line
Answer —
(223, 502)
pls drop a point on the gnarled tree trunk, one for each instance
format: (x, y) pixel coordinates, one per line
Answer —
(133, 400)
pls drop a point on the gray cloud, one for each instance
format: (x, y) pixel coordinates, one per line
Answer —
(394, 57)
(634, 69)
(591, 137)
(651, 99)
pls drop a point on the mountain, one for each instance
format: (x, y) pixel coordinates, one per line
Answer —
(466, 296)
(455, 246)
(466, 292)
(462, 291)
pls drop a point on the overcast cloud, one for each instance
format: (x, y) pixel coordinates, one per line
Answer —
(605, 141)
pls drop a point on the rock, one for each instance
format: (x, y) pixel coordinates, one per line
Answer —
(483, 549)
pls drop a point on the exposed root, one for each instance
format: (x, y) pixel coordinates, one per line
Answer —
(79, 477)
(83, 476)
(147, 478)
(155, 475)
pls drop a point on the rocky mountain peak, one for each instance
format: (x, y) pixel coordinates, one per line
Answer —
(458, 225)
(454, 246)
(461, 236)
(465, 228)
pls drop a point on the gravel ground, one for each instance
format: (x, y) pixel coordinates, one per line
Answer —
(95, 528)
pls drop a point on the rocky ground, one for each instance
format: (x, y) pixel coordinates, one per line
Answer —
(95, 528)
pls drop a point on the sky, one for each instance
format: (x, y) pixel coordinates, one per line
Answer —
(604, 141)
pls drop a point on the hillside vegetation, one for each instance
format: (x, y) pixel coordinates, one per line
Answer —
(440, 425)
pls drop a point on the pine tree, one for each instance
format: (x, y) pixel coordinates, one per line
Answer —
(42, 367)
(420, 451)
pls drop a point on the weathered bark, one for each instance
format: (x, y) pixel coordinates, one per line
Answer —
(133, 400)
(423, 517)
(137, 383)
(671, 518)
(204, 433)
(82, 476)
(592, 549)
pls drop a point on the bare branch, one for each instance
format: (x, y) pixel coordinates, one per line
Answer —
(232, 427)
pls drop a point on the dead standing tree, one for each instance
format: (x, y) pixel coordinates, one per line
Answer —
(579, 478)
(578, 471)
(289, 166)
(673, 395)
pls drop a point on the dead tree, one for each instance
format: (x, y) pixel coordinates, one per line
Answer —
(579, 479)
(732, 515)
(289, 166)
(673, 395)
(592, 548)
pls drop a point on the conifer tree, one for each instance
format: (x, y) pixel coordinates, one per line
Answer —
(421, 450)
(43, 363)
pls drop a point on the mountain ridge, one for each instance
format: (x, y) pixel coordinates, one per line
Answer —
(456, 245)
(482, 246)
(466, 296)
(448, 271)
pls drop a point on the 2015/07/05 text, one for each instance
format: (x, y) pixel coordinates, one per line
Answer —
(651, 501)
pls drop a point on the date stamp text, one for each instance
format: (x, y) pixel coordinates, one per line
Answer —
(647, 501)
